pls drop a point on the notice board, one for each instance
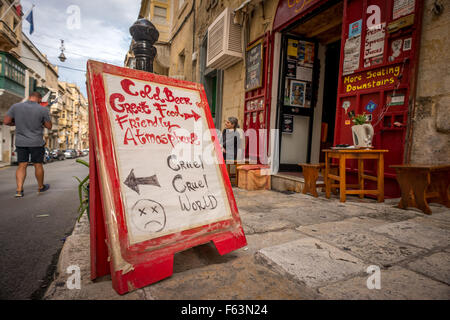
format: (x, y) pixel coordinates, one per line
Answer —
(159, 172)
(254, 66)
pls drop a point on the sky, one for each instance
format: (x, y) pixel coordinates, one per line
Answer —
(91, 29)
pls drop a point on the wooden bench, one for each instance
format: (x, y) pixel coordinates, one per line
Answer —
(311, 175)
(421, 184)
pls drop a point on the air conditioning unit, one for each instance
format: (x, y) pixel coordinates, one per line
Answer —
(224, 47)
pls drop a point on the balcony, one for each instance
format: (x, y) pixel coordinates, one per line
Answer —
(62, 122)
(12, 81)
(8, 39)
(55, 108)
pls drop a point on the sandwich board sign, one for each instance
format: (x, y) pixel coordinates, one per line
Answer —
(158, 182)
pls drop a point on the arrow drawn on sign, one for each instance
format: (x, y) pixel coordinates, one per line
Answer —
(194, 115)
(132, 182)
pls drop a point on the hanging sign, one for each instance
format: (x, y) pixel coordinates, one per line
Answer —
(164, 187)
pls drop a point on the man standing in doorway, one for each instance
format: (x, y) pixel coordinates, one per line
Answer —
(30, 118)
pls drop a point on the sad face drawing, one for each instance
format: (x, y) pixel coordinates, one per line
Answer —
(148, 216)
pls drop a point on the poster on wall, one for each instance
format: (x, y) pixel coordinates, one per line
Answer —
(374, 45)
(304, 73)
(305, 53)
(352, 50)
(297, 93)
(402, 8)
(288, 124)
(291, 69)
(292, 49)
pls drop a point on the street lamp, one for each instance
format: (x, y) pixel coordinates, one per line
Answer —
(144, 34)
(62, 57)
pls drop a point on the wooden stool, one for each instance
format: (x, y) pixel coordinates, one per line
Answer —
(421, 184)
(234, 177)
(311, 174)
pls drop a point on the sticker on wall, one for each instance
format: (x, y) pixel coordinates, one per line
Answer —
(369, 62)
(371, 106)
(369, 117)
(398, 100)
(402, 8)
(351, 114)
(354, 29)
(407, 44)
(396, 49)
(346, 105)
(347, 122)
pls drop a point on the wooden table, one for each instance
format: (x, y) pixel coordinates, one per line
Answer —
(421, 184)
(360, 155)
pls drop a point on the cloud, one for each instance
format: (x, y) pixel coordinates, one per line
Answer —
(102, 34)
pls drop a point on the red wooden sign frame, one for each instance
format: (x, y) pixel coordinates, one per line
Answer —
(151, 260)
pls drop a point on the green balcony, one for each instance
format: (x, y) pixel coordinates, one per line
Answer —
(12, 80)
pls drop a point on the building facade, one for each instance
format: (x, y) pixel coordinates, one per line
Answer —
(305, 68)
(12, 71)
(24, 69)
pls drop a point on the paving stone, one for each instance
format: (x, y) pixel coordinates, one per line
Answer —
(240, 279)
(396, 284)
(420, 235)
(306, 215)
(310, 261)
(436, 266)
(264, 223)
(433, 222)
(256, 242)
(347, 225)
(371, 247)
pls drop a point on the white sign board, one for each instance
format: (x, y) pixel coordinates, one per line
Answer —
(170, 180)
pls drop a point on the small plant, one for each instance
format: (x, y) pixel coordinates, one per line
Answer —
(83, 192)
(359, 119)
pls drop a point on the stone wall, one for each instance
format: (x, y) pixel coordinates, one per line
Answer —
(431, 121)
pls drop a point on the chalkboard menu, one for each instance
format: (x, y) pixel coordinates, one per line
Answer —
(254, 67)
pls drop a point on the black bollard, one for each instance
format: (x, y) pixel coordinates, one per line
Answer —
(144, 34)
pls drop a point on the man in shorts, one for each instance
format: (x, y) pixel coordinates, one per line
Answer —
(30, 118)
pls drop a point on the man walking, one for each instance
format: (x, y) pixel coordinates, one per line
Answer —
(30, 118)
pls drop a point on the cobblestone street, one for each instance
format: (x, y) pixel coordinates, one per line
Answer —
(299, 247)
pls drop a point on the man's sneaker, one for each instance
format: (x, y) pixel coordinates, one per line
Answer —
(44, 188)
(19, 194)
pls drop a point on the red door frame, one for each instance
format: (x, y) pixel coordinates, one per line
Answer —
(284, 18)
(264, 93)
(406, 84)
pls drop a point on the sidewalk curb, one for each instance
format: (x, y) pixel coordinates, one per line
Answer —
(74, 258)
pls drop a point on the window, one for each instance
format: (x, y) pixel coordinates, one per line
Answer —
(159, 15)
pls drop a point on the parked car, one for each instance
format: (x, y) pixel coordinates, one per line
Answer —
(85, 152)
(58, 154)
(70, 154)
(79, 153)
(47, 155)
